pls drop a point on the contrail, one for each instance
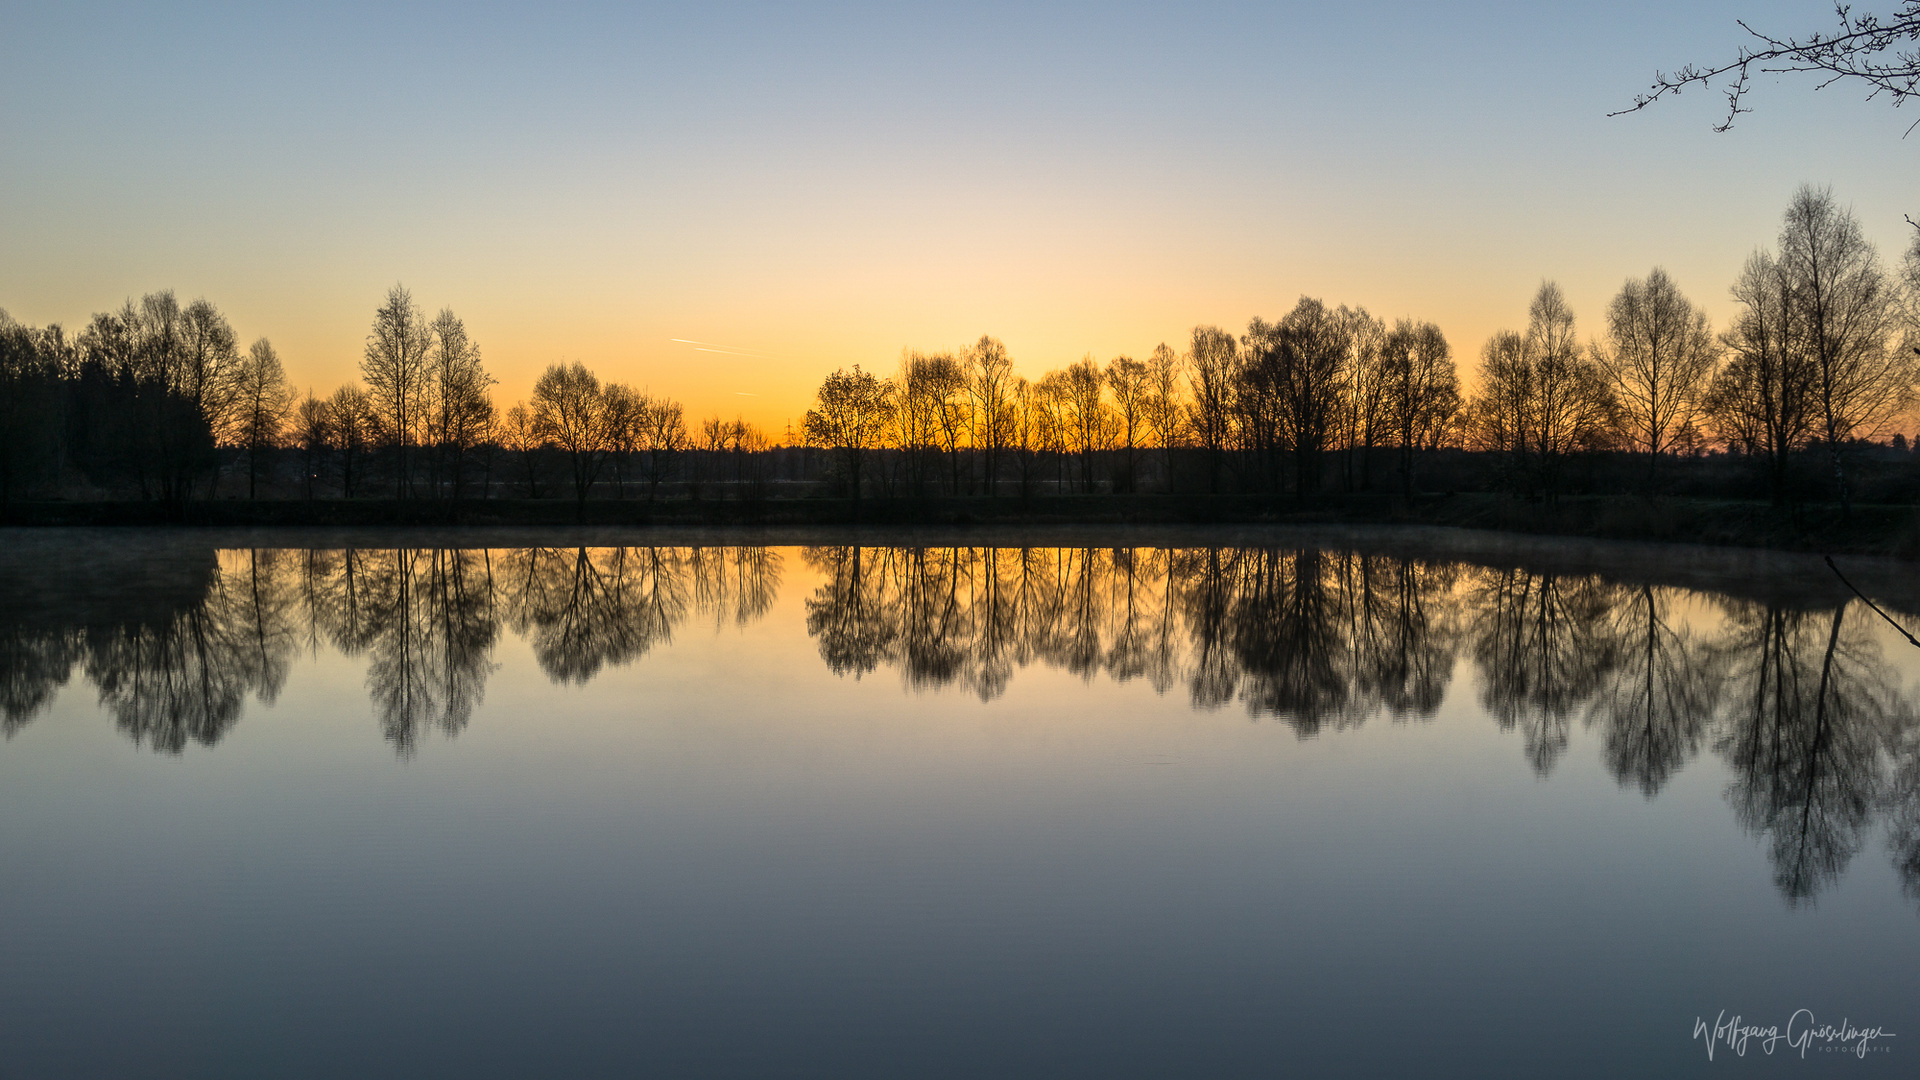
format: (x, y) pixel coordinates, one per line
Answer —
(727, 350)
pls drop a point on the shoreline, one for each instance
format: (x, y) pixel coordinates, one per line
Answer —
(1874, 529)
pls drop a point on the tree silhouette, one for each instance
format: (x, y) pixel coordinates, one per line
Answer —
(1848, 307)
(851, 414)
(573, 411)
(1660, 352)
(1760, 402)
(395, 366)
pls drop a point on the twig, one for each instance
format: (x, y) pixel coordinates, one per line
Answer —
(1869, 603)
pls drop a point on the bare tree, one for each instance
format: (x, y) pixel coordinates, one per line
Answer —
(1052, 424)
(1031, 434)
(1572, 409)
(1423, 390)
(1362, 411)
(920, 399)
(181, 365)
(521, 434)
(712, 443)
(458, 409)
(1289, 389)
(990, 389)
(350, 417)
(1166, 412)
(663, 437)
(1759, 402)
(851, 416)
(742, 442)
(1659, 356)
(1213, 357)
(1127, 378)
(570, 410)
(396, 370)
(1498, 418)
(1314, 345)
(1259, 387)
(207, 366)
(626, 416)
(946, 387)
(1090, 423)
(1847, 312)
(262, 401)
(313, 434)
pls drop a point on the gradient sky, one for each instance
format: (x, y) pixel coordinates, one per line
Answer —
(816, 185)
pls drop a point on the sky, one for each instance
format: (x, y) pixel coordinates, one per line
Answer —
(724, 202)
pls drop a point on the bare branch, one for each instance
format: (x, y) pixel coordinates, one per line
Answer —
(1864, 49)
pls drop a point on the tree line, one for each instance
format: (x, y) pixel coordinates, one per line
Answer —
(1820, 357)
(157, 399)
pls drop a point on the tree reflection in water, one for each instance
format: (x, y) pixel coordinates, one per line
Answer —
(1810, 707)
(33, 666)
(1902, 804)
(425, 620)
(184, 677)
(1542, 645)
(1800, 703)
(1655, 699)
(1313, 638)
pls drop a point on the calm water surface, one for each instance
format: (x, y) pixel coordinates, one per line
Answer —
(1140, 804)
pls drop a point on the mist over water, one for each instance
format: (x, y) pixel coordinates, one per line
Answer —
(1354, 803)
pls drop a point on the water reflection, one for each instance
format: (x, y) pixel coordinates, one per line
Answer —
(1802, 704)
(1811, 709)
(1797, 698)
(184, 676)
(425, 621)
(1316, 639)
(32, 667)
(1656, 696)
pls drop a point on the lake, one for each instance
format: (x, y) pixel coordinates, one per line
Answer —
(1073, 802)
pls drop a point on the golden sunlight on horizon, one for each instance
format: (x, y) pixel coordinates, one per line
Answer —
(764, 362)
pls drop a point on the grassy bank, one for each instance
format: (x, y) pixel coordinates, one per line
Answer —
(1872, 529)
